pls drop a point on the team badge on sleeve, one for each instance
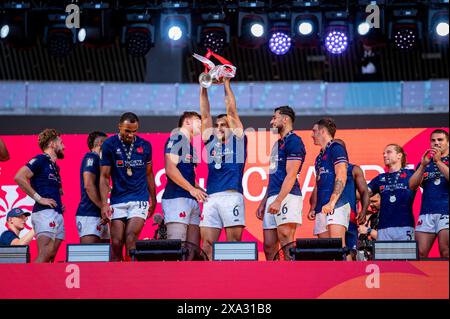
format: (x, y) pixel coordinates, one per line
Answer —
(90, 162)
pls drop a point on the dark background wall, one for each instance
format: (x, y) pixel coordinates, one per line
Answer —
(11, 125)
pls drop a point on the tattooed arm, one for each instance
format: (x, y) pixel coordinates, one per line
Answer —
(339, 185)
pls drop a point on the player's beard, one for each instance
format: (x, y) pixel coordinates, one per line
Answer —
(59, 154)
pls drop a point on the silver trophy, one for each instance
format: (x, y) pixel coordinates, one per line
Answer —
(216, 73)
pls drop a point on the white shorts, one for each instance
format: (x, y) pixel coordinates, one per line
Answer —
(432, 223)
(91, 226)
(181, 210)
(130, 210)
(223, 209)
(290, 212)
(49, 223)
(396, 233)
(339, 216)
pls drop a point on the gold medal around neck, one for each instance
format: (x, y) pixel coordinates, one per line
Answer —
(129, 171)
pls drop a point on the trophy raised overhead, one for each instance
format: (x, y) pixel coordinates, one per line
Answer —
(214, 74)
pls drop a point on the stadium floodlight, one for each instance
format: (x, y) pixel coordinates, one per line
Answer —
(252, 29)
(338, 32)
(363, 28)
(59, 40)
(138, 34)
(405, 28)
(280, 43)
(97, 24)
(213, 33)
(176, 28)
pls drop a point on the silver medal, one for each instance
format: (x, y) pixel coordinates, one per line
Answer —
(392, 199)
(217, 166)
(437, 181)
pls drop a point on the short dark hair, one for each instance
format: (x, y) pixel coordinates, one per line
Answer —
(187, 115)
(93, 137)
(130, 117)
(440, 131)
(329, 124)
(46, 137)
(286, 110)
(221, 115)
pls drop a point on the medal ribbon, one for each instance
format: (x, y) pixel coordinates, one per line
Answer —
(129, 153)
(397, 176)
(227, 69)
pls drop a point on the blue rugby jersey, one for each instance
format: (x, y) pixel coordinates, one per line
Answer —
(290, 147)
(90, 164)
(127, 188)
(226, 162)
(397, 199)
(333, 154)
(179, 144)
(46, 181)
(435, 190)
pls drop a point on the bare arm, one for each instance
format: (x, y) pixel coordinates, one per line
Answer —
(313, 199)
(4, 155)
(151, 189)
(22, 179)
(339, 185)
(105, 175)
(362, 229)
(362, 188)
(438, 162)
(443, 168)
(417, 178)
(261, 208)
(91, 189)
(172, 171)
(232, 114)
(25, 240)
(292, 168)
(313, 204)
(205, 111)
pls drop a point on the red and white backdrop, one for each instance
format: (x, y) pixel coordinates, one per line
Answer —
(365, 148)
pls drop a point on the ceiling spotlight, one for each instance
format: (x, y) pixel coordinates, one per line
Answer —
(257, 30)
(213, 40)
(442, 29)
(175, 33)
(4, 31)
(279, 43)
(363, 28)
(305, 28)
(138, 42)
(336, 42)
(405, 38)
(82, 35)
(60, 43)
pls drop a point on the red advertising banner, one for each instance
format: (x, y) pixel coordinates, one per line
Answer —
(365, 148)
(212, 280)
